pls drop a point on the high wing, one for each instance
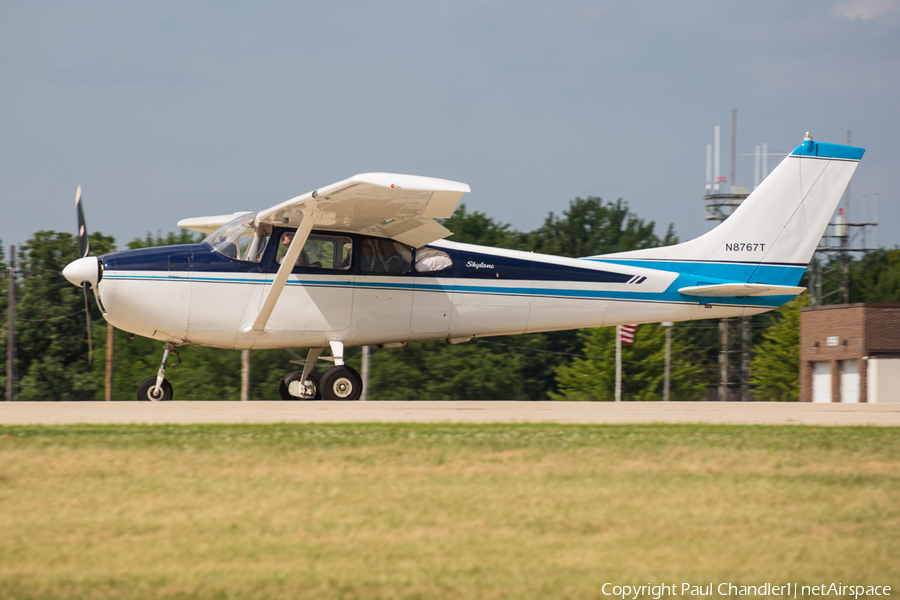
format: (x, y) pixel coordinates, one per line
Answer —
(401, 207)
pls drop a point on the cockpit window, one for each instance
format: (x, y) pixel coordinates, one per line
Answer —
(240, 239)
(380, 256)
(320, 251)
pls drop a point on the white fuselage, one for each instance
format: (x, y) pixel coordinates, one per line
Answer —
(478, 298)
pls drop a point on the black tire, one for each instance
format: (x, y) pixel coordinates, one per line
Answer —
(284, 390)
(145, 394)
(341, 383)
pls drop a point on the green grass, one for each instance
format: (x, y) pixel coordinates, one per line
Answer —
(440, 511)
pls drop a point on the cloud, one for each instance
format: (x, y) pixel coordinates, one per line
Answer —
(865, 10)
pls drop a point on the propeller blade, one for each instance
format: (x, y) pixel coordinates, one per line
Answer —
(84, 244)
(87, 310)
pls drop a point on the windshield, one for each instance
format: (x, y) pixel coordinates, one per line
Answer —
(241, 239)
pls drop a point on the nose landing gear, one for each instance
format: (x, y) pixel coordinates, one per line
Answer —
(155, 389)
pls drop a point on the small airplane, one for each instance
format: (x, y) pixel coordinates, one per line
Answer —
(364, 262)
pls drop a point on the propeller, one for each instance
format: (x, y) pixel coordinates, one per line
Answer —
(84, 246)
(85, 271)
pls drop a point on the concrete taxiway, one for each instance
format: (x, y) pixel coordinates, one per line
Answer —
(756, 413)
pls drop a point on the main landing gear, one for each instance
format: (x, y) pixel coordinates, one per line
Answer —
(157, 388)
(340, 382)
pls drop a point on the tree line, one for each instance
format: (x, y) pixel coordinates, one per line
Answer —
(51, 347)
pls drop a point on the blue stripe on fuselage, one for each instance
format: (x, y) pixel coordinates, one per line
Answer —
(670, 296)
(710, 272)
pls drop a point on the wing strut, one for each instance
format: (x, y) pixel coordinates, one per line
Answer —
(258, 327)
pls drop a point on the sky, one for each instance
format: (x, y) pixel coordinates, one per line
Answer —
(168, 110)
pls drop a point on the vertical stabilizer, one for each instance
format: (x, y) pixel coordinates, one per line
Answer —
(782, 221)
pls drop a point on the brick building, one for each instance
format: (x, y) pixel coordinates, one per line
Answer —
(850, 353)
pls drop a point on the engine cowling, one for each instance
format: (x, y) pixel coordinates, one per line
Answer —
(84, 270)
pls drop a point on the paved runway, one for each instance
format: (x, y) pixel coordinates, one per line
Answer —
(756, 413)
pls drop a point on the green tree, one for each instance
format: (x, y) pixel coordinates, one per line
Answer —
(4, 291)
(876, 277)
(643, 367)
(438, 371)
(204, 374)
(775, 366)
(51, 331)
(172, 238)
(589, 227)
(478, 228)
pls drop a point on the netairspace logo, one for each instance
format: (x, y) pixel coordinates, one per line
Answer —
(788, 590)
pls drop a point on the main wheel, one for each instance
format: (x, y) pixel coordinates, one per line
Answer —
(310, 391)
(341, 383)
(145, 391)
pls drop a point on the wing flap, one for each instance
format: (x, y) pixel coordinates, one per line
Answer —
(415, 232)
(741, 290)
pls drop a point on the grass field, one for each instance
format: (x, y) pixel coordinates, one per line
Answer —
(441, 511)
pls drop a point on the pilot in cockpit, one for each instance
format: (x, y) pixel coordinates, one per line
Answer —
(287, 238)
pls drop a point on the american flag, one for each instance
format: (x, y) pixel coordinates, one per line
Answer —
(626, 333)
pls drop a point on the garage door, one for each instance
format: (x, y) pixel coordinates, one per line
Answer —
(849, 381)
(821, 382)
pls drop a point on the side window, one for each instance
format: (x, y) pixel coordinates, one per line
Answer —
(429, 260)
(380, 256)
(320, 251)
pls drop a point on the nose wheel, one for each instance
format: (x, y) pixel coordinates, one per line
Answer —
(149, 392)
(155, 389)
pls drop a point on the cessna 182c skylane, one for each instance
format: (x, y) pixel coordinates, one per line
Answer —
(368, 265)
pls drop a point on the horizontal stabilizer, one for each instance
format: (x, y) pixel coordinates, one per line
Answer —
(741, 290)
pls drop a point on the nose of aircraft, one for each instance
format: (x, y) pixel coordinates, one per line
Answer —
(83, 270)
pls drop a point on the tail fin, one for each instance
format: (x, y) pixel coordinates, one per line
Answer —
(778, 225)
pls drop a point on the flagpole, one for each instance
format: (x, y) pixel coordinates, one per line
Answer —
(667, 370)
(618, 365)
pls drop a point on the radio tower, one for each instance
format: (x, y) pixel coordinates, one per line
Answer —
(720, 206)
